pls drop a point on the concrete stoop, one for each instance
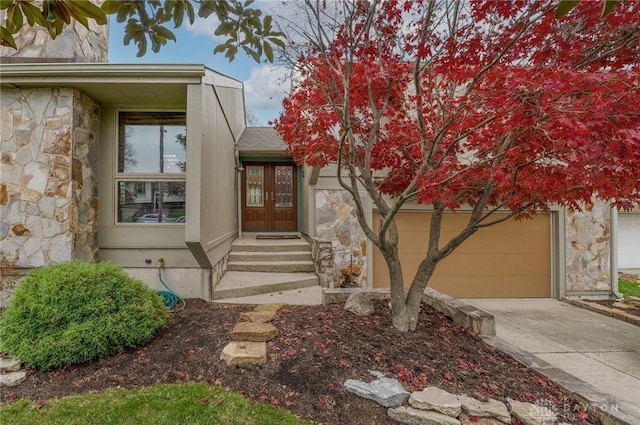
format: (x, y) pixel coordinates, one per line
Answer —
(250, 336)
(269, 271)
(235, 284)
(249, 254)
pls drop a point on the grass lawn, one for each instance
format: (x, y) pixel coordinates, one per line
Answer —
(629, 288)
(189, 403)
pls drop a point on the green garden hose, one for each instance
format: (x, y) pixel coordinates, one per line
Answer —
(169, 297)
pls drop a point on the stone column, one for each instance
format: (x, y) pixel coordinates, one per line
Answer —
(336, 221)
(588, 250)
(75, 44)
(48, 176)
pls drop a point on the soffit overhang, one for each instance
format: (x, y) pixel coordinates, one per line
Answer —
(127, 85)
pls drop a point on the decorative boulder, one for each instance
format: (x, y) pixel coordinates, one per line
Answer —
(388, 392)
(358, 303)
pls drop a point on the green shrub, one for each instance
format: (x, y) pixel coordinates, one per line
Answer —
(76, 312)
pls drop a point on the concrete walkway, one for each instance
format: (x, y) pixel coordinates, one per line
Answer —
(594, 356)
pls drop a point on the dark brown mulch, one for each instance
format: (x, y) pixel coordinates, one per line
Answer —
(318, 348)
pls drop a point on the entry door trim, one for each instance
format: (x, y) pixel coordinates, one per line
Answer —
(272, 190)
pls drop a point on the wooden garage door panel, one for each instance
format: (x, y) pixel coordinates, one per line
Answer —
(511, 259)
(507, 287)
(501, 242)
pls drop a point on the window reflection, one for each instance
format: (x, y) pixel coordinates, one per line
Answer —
(152, 142)
(151, 202)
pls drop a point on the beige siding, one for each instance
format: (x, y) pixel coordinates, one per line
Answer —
(131, 245)
(232, 103)
(211, 196)
(509, 260)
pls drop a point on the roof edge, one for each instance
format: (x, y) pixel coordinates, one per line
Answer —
(97, 70)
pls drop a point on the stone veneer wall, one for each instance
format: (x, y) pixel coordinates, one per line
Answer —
(48, 178)
(75, 44)
(336, 221)
(218, 271)
(323, 261)
(588, 249)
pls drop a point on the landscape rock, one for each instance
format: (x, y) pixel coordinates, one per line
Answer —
(622, 304)
(385, 391)
(531, 414)
(257, 316)
(268, 307)
(241, 352)
(433, 398)
(12, 379)
(411, 416)
(474, 420)
(9, 364)
(253, 331)
(489, 409)
(358, 303)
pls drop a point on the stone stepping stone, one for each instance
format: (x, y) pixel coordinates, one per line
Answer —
(489, 409)
(411, 416)
(12, 379)
(244, 352)
(253, 331)
(257, 316)
(268, 307)
(433, 398)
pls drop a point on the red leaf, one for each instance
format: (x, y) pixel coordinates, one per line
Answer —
(582, 415)
(448, 376)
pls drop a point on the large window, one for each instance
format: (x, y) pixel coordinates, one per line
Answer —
(150, 178)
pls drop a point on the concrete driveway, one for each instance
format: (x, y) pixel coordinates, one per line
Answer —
(595, 356)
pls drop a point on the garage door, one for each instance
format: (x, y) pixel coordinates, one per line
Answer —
(508, 260)
(629, 240)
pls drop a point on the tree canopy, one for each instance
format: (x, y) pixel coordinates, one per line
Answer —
(244, 27)
(488, 106)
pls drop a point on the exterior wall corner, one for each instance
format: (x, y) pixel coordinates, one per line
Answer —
(588, 249)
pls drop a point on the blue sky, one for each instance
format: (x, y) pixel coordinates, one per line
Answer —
(264, 85)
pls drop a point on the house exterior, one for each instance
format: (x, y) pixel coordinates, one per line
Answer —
(133, 163)
(95, 164)
(558, 254)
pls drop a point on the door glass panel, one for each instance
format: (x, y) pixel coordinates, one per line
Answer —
(255, 185)
(284, 186)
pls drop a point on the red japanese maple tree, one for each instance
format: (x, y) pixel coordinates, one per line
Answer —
(493, 106)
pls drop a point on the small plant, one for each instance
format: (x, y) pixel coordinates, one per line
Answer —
(76, 312)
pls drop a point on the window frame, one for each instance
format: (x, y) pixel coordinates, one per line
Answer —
(118, 177)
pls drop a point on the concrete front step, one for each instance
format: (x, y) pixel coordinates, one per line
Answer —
(236, 284)
(311, 295)
(272, 266)
(244, 256)
(269, 245)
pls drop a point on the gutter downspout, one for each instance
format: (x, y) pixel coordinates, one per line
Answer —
(613, 240)
(239, 171)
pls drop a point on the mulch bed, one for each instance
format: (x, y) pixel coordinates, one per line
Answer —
(317, 349)
(609, 304)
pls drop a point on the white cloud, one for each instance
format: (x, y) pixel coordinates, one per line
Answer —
(206, 27)
(266, 87)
